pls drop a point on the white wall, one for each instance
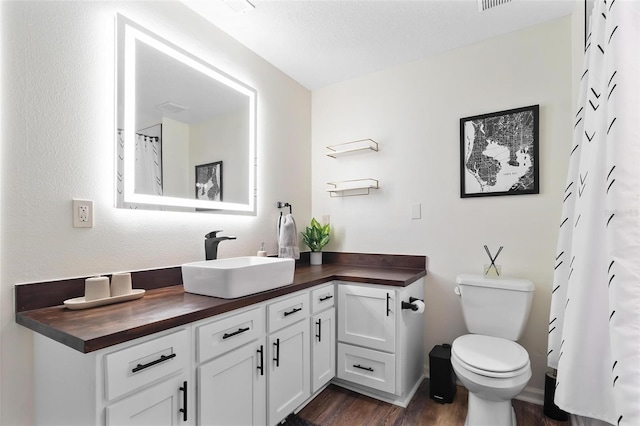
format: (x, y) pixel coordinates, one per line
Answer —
(176, 173)
(413, 112)
(229, 146)
(58, 143)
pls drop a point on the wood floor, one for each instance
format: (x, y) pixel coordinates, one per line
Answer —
(336, 406)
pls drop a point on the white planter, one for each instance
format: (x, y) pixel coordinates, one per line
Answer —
(316, 257)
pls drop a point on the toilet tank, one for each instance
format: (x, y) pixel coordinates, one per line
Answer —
(495, 306)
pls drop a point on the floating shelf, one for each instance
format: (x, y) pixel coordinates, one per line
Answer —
(348, 188)
(348, 148)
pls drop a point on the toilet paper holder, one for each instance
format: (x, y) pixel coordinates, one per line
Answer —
(410, 305)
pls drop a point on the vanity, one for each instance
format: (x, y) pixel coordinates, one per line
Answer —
(178, 358)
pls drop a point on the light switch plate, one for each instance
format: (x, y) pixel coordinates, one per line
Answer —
(416, 212)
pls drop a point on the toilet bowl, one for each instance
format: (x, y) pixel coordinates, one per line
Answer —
(494, 370)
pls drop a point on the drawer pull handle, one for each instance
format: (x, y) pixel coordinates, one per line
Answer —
(277, 358)
(184, 401)
(388, 299)
(319, 335)
(293, 311)
(235, 333)
(261, 366)
(363, 368)
(162, 358)
(322, 299)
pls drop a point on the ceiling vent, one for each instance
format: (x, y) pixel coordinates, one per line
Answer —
(171, 107)
(488, 4)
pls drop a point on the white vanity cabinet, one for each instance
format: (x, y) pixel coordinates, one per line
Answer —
(250, 366)
(146, 381)
(323, 336)
(380, 345)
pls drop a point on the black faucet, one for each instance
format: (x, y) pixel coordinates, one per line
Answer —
(211, 242)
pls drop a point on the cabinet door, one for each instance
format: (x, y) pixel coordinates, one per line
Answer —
(366, 316)
(164, 404)
(323, 349)
(232, 388)
(289, 374)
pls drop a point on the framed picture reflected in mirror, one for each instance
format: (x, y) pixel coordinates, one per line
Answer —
(209, 181)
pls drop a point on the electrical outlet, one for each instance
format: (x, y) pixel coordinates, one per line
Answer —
(82, 214)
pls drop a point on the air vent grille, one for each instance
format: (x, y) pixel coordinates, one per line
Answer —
(171, 107)
(488, 4)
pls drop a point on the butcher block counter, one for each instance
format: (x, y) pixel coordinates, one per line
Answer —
(39, 306)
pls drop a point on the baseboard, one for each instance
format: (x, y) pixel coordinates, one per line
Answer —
(401, 401)
(532, 395)
(316, 393)
(529, 394)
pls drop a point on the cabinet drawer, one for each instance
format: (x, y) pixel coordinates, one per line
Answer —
(139, 365)
(218, 337)
(288, 311)
(322, 298)
(367, 367)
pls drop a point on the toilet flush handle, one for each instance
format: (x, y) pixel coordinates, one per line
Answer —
(456, 290)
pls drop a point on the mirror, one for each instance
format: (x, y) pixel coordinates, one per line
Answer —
(185, 130)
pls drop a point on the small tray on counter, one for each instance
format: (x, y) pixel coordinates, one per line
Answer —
(81, 303)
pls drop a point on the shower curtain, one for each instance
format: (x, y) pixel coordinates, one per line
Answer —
(594, 323)
(148, 166)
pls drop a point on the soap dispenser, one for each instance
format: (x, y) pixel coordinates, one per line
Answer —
(262, 252)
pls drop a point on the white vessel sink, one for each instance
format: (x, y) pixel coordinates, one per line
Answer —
(237, 276)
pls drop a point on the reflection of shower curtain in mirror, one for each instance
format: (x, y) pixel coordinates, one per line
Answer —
(148, 167)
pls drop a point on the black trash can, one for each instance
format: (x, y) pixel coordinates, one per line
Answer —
(442, 381)
(551, 410)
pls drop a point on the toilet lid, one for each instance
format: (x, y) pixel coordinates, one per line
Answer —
(488, 353)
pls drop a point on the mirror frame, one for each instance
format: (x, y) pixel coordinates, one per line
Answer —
(127, 34)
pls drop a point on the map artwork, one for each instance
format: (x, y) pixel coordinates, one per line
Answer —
(500, 153)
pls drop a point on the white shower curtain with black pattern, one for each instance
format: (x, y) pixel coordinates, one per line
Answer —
(148, 165)
(594, 324)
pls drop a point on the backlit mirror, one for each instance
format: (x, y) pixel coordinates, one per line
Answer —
(185, 132)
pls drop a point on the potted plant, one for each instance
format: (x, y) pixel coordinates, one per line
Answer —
(316, 237)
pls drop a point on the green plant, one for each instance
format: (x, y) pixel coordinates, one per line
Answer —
(316, 236)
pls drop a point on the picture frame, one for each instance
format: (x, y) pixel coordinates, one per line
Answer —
(208, 182)
(499, 153)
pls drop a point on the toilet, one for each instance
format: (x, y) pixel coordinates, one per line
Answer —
(489, 362)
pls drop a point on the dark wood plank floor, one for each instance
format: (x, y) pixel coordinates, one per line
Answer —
(336, 406)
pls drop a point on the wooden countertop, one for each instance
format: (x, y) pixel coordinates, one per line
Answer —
(166, 305)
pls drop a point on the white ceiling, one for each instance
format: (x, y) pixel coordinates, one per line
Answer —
(319, 42)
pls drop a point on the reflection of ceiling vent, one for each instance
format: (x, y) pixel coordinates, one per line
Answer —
(488, 4)
(171, 107)
(240, 6)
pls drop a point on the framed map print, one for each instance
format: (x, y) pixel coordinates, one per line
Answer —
(499, 153)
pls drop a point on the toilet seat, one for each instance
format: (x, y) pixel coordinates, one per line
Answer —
(490, 356)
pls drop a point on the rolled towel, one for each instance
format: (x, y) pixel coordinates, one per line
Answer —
(288, 238)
